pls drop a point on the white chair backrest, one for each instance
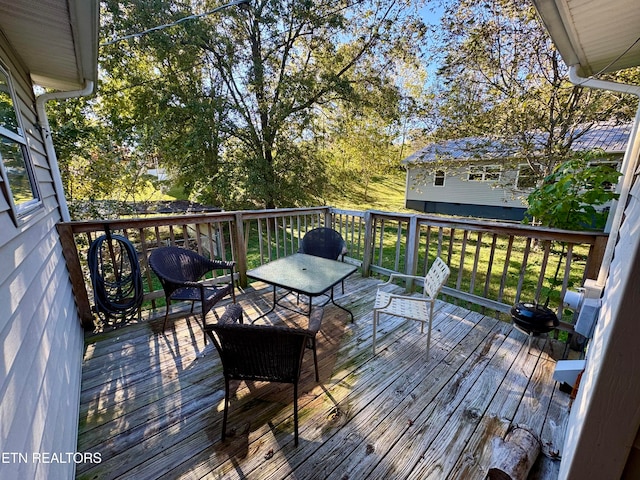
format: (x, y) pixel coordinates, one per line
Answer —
(436, 278)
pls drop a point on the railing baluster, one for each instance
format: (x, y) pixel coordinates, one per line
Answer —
(543, 269)
(238, 234)
(523, 268)
(476, 259)
(452, 234)
(492, 253)
(567, 272)
(398, 247)
(505, 270)
(462, 256)
(380, 247)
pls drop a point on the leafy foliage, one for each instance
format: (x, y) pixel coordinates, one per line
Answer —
(92, 166)
(231, 102)
(568, 198)
(502, 79)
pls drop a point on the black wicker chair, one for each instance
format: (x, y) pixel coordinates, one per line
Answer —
(324, 242)
(261, 353)
(180, 270)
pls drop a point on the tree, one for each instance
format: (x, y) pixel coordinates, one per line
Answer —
(502, 79)
(573, 195)
(261, 75)
(92, 166)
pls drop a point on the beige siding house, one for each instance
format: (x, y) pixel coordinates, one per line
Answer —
(51, 43)
(477, 178)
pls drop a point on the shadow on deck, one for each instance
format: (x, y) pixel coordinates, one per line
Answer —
(151, 403)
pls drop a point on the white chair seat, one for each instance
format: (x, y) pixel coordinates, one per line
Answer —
(419, 308)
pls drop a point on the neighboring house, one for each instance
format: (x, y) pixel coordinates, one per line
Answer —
(480, 178)
(52, 44)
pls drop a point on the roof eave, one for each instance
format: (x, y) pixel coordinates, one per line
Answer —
(554, 21)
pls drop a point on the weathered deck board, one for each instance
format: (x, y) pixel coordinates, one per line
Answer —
(151, 401)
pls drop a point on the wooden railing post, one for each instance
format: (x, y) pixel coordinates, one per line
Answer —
(72, 259)
(328, 218)
(367, 254)
(413, 243)
(596, 254)
(241, 251)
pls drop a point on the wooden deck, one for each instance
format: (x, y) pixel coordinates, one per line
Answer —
(151, 402)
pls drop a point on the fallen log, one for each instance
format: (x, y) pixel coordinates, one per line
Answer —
(513, 457)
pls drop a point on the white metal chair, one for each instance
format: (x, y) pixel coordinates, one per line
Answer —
(419, 308)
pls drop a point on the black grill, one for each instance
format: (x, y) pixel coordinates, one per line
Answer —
(534, 318)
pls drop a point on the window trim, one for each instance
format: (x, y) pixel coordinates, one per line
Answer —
(518, 187)
(436, 176)
(19, 213)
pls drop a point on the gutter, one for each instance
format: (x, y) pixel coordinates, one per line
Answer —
(41, 100)
(629, 165)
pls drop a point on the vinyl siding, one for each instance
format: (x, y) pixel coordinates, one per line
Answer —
(40, 335)
(457, 189)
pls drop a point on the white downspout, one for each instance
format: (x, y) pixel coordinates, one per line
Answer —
(41, 100)
(629, 164)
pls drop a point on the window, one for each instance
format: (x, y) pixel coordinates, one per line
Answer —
(526, 178)
(484, 173)
(438, 178)
(18, 180)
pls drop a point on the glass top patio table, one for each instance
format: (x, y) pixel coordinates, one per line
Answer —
(304, 274)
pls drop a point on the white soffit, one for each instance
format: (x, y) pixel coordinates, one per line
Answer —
(56, 40)
(599, 35)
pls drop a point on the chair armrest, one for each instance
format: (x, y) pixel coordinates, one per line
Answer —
(405, 298)
(184, 283)
(393, 276)
(232, 314)
(224, 264)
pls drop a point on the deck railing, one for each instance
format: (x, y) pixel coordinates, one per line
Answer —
(493, 264)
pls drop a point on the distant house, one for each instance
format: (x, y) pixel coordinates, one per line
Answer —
(476, 177)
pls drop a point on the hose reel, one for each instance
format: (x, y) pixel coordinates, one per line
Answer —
(116, 278)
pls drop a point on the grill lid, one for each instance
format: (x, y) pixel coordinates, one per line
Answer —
(534, 318)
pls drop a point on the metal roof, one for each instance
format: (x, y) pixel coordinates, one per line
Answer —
(596, 36)
(608, 137)
(56, 40)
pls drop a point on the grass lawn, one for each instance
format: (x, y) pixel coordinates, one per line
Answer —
(384, 193)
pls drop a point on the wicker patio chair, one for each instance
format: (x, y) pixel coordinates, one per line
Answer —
(180, 271)
(419, 308)
(261, 353)
(324, 242)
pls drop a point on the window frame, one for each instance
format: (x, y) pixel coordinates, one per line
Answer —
(480, 173)
(518, 186)
(19, 212)
(437, 175)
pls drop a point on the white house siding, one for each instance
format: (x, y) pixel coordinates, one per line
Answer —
(40, 335)
(605, 416)
(471, 195)
(460, 190)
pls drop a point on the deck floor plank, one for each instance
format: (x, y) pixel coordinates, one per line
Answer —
(151, 401)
